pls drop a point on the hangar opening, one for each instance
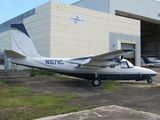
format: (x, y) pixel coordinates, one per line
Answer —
(150, 33)
(150, 39)
(131, 56)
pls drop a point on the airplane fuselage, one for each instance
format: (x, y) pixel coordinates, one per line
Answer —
(60, 65)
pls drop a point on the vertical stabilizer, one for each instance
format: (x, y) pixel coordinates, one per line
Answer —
(21, 41)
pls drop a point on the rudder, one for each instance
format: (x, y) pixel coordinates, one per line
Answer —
(21, 41)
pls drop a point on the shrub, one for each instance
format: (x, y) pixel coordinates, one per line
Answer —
(41, 73)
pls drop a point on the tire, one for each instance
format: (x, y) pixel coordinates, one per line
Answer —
(149, 80)
(96, 82)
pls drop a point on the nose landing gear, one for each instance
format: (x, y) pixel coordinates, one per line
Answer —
(149, 80)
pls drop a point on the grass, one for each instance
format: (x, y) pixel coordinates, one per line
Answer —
(17, 103)
(110, 85)
(41, 73)
(3, 85)
(136, 108)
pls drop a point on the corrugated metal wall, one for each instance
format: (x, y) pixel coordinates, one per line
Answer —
(99, 5)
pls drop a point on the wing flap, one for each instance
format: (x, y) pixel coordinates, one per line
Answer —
(80, 61)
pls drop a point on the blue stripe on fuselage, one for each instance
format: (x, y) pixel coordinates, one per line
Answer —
(110, 76)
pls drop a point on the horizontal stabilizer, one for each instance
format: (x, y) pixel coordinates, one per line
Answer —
(13, 54)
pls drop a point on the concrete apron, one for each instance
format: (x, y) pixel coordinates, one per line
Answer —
(111, 112)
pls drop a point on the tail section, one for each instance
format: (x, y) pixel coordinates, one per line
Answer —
(146, 60)
(21, 42)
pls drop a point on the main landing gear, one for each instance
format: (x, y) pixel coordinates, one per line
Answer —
(96, 81)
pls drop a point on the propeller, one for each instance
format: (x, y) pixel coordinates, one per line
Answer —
(122, 56)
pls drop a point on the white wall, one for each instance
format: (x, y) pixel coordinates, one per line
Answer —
(75, 40)
(5, 40)
(38, 27)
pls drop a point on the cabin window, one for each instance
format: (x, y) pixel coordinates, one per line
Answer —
(112, 66)
(124, 65)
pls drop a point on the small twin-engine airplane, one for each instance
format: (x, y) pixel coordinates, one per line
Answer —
(107, 66)
(151, 61)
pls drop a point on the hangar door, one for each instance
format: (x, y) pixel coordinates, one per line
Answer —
(130, 56)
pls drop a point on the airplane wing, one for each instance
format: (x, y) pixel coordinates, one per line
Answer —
(102, 60)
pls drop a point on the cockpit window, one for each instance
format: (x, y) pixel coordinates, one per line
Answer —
(130, 64)
(127, 64)
(124, 65)
(155, 58)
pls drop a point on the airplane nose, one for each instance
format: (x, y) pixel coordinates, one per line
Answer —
(153, 73)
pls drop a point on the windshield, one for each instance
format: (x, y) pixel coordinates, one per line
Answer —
(127, 64)
(130, 64)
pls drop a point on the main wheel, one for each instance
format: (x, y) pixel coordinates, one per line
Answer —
(96, 82)
(149, 80)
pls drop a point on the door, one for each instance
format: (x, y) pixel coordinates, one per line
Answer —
(130, 56)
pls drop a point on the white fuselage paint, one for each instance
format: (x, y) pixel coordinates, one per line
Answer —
(61, 66)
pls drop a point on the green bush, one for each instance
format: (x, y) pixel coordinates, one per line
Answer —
(41, 73)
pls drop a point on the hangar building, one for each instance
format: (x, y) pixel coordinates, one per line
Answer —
(88, 27)
(146, 11)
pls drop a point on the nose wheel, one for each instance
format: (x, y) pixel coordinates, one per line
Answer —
(149, 80)
(96, 82)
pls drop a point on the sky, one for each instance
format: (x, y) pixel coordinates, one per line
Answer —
(12, 8)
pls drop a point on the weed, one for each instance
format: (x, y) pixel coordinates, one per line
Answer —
(110, 85)
(3, 85)
(137, 109)
(18, 104)
(41, 73)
